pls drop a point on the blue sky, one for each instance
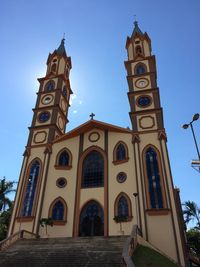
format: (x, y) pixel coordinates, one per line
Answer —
(96, 32)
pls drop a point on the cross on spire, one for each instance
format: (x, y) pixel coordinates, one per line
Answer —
(92, 116)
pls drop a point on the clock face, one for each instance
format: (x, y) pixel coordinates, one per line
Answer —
(141, 83)
(144, 101)
(121, 177)
(44, 116)
(47, 99)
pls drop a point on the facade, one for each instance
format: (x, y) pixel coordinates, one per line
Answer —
(84, 178)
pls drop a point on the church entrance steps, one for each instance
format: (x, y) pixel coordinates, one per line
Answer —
(65, 252)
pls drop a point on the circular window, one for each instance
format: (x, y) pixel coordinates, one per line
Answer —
(44, 116)
(144, 101)
(94, 137)
(121, 177)
(47, 99)
(61, 182)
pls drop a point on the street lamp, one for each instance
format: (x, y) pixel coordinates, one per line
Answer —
(185, 126)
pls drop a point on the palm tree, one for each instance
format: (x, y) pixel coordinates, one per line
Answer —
(6, 187)
(191, 212)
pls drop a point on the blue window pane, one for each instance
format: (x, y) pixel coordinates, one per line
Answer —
(122, 207)
(58, 211)
(64, 159)
(50, 86)
(140, 70)
(93, 170)
(121, 152)
(154, 179)
(30, 189)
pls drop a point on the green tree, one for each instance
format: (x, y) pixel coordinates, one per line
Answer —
(191, 212)
(4, 222)
(6, 187)
(193, 238)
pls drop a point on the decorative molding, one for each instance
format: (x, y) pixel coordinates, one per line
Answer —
(94, 137)
(162, 135)
(36, 136)
(146, 127)
(136, 139)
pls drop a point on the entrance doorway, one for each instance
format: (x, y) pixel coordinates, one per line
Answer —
(91, 220)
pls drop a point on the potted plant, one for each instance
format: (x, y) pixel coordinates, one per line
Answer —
(119, 219)
(44, 222)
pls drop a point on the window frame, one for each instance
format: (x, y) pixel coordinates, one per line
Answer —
(154, 211)
(58, 222)
(61, 167)
(122, 194)
(20, 216)
(115, 161)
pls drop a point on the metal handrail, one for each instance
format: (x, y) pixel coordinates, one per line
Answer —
(4, 244)
(129, 247)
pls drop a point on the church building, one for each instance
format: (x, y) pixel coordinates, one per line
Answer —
(89, 178)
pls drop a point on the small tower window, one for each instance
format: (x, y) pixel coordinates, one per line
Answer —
(53, 68)
(50, 86)
(140, 70)
(138, 49)
(64, 91)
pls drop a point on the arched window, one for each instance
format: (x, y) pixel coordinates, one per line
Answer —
(138, 49)
(31, 189)
(140, 70)
(123, 206)
(93, 170)
(120, 153)
(58, 211)
(50, 86)
(53, 67)
(153, 175)
(64, 159)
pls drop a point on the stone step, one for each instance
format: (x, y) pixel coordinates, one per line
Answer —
(62, 252)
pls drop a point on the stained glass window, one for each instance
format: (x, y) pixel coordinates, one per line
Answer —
(63, 159)
(140, 70)
(30, 189)
(122, 207)
(153, 174)
(93, 170)
(49, 86)
(58, 211)
(120, 152)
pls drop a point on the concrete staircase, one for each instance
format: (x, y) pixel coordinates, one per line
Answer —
(64, 252)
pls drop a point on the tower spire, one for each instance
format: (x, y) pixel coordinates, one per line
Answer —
(61, 49)
(136, 28)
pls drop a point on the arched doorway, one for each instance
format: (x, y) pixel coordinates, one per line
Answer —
(91, 220)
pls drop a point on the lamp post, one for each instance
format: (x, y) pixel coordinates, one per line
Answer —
(136, 195)
(185, 126)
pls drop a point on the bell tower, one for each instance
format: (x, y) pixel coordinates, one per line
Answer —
(51, 109)
(146, 113)
(152, 167)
